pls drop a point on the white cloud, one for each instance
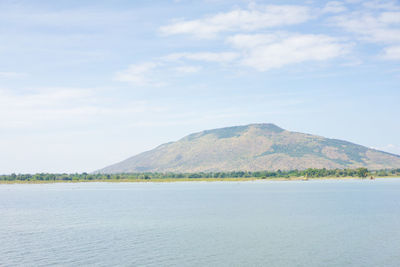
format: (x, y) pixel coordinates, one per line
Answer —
(150, 73)
(49, 107)
(334, 7)
(264, 52)
(11, 75)
(260, 51)
(32, 107)
(145, 74)
(252, 40)
(255, 18)
(374, 22)
(392, 53)
(353, 1)
(380, 28)
(139, 74)
(382, 5)
(203, 56)
(187, 69)
(390, 17)
(43, 97)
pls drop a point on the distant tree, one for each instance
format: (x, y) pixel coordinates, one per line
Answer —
(362, 172)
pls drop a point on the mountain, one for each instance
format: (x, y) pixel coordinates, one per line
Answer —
(254, 147)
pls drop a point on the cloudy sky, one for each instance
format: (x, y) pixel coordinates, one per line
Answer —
(84, 84)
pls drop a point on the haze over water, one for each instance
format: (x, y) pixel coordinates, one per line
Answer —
(313, 223)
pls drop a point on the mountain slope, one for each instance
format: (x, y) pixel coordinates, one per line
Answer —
(254, 147)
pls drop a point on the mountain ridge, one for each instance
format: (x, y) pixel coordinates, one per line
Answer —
(253, 147)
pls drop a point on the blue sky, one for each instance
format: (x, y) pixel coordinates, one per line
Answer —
(84, 84)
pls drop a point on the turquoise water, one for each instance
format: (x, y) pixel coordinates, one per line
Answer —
(303, 223)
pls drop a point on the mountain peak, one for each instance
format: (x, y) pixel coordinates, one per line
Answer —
(257, 146)
(267, 127)
(235, 131)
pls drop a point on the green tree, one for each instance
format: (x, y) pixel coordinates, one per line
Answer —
(362, 172)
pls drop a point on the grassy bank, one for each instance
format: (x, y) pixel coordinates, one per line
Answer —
(291, 175)
(171, 180)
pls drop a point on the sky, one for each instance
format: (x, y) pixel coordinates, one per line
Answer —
(84, 84)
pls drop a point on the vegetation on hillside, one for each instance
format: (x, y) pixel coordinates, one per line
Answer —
(254, 147)
(308, 173)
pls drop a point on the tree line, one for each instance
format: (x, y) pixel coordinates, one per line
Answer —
(308, 173)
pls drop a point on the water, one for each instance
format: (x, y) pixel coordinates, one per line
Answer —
(313, 223)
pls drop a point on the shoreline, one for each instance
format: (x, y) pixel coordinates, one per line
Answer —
(173, 180)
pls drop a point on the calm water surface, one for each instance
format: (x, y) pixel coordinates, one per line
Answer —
(313, 223)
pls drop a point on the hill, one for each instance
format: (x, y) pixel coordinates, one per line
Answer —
(254, 147)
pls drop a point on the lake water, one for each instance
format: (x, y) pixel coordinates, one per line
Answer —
(263, 223)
